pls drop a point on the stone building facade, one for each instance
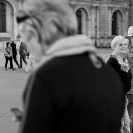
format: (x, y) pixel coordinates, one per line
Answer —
(99, 19)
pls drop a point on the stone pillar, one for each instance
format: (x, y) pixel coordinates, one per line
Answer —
(93, 20)
(13, 24)
(110, 21)
(103, 20)
(89, 27)
(97, 8)
(125, 23)
(130, 18)
(19, 6)
(9, 14)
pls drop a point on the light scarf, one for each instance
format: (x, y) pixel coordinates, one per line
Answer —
(123, 63)
(72, 45)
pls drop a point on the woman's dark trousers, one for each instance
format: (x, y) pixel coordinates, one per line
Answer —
(6, 62)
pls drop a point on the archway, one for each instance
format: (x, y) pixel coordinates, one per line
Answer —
(82, 17)
(117, 23)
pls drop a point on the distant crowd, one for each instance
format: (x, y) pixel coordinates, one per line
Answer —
(10, 54)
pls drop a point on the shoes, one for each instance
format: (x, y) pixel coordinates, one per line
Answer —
(6, 68)
(19, 67)
(10, 68)
(13, 69)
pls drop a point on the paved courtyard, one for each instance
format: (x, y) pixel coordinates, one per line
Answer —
(11, 89)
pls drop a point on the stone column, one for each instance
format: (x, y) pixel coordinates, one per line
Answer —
(93, 20)
(103, 20)
(19, 6)
(97, 8)
(87, 26)
(110, 20)
(125, 23)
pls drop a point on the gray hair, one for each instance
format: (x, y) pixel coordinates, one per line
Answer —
(50, 18)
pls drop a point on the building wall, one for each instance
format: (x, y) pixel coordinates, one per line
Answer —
(96, 18)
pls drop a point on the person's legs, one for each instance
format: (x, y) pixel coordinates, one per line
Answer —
(130, 109)
(24, 60)
(11, 63)
(125, 125)
(6, 62)
(15, 60)
(32, 64)
(27, 69)
(21, 60)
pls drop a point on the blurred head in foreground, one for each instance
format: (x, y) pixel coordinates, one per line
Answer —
(43, 22)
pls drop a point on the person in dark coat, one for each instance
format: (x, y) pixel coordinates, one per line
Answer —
(23, 54)
(71, 89)
(119, 63)
(14, 53)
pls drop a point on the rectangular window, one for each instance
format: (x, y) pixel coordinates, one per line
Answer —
(2, 17)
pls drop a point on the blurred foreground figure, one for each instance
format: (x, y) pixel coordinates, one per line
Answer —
(118, 61)
(71, 90)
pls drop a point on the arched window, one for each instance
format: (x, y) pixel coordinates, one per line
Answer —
(79, 19)
(114, 24)
(2, 17)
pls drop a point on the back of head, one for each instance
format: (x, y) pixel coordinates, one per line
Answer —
(51, 18)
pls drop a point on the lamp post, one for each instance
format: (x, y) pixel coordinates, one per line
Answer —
(95, 36)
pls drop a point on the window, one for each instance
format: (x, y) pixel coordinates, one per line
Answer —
(114, 23)
(79, 19)
(2, 17)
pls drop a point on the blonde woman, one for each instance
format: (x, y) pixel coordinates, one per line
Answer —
(69, 90)
(120, 64)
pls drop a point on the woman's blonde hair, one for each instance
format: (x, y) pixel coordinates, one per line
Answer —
(118, 39)
(50, 18)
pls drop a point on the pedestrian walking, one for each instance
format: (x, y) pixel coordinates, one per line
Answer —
(119, 63)
(14, 53)
(23, 53)
(8, 55)
(71, 90)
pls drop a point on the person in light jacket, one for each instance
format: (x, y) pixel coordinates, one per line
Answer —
(8, 55)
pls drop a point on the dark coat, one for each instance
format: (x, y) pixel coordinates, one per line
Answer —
(14, 49)
(125, 77)
(22, 48)
(70, 95)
